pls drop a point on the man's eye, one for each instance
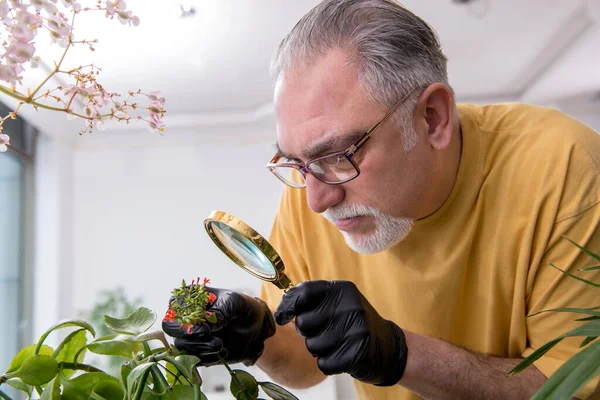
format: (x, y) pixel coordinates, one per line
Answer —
(289, 160)
(334, 160)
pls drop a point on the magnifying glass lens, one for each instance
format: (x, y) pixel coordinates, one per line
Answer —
(244, 249)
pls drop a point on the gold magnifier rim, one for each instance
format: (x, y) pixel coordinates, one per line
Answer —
(280, 279)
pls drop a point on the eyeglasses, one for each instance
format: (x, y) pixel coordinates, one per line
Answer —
(333, 169)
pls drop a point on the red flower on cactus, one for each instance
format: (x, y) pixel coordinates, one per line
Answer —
(206, 281)
(188, 327)
(211, 298)
(170, 316)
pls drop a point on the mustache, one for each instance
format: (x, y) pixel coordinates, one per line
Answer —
(344, 211)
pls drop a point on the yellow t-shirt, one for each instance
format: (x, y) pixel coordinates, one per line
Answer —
(471, 273)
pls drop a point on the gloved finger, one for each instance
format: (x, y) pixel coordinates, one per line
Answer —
(311, 324)
(175, 329)
(207, 360)
(210, 346)
(322, 345)
(221, 320)
(259, 350)
(303, 297)
(338, 362)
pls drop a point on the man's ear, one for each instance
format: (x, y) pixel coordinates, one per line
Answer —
(436, 113)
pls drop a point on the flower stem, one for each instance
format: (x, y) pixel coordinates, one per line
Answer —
(197, 393)
(56, 66)
(231, 372)
(78, 366)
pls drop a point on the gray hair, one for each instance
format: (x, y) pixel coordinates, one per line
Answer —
(395, 51)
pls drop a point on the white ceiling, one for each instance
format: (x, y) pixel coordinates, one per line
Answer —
(212, 67)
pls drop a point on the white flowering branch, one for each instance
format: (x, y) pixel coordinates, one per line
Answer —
(21, 20)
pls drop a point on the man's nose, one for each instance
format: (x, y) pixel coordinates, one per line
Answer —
(321, 196)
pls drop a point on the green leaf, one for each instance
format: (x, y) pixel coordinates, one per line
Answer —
(182, 392)
(156, 335)
(572, 375)
(124, 373)
(186, 364)
(175, 377)
(587, 341)
(591, 328)
(586, 251)
(586, 311)
(137, 379)
(25, 353)
(81, 387)
(243, 385)
(212, 318)
(136, 323)
(587, 319)
(114, 345)
(276, 392)
(70, 348)
(590, 268)
(19, 385)
(576, 277)
(51, 391)
(107, 390)
(65, 324)
(37, 370)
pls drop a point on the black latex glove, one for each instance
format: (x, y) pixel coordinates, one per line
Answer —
(344, 332)
(243, 324)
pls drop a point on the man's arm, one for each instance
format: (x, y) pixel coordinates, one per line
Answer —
(439, 370)
(435, 369)
(287, 361)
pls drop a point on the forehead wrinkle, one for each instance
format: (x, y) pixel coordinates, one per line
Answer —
(330, 143)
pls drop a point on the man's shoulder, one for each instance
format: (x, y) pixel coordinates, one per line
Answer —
(544, 151)
(533, 125)
(506, 116)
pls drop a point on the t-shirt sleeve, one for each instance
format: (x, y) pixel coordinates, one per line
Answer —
(551, 289)
(286, 238)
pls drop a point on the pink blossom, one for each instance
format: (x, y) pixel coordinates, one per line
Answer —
(156, 126)
(23, 19)
(155, 96)
(114, 6)
(4, 142)
(90, 110)
(127, 17)
(4, 9)
(60, 29)
(20, 52)
(72, 3)
(44, 4)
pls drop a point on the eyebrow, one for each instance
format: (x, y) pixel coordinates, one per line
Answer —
(330, 144)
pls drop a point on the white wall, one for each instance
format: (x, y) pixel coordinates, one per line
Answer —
(138, 216)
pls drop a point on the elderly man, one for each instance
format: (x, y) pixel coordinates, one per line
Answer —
(450, 216)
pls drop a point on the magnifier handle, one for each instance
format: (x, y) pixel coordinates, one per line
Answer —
(291, 285)
(282, 281)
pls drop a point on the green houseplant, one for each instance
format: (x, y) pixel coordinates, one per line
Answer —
(151, 367)
(583, 366)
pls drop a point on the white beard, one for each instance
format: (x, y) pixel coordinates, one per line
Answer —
(389, 230)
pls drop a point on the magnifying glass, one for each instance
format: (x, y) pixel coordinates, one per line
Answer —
(247, 248)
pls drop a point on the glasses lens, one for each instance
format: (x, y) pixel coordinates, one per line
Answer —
(290, 176)
(333, 169)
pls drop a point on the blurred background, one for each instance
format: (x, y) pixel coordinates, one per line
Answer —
(113, 219)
